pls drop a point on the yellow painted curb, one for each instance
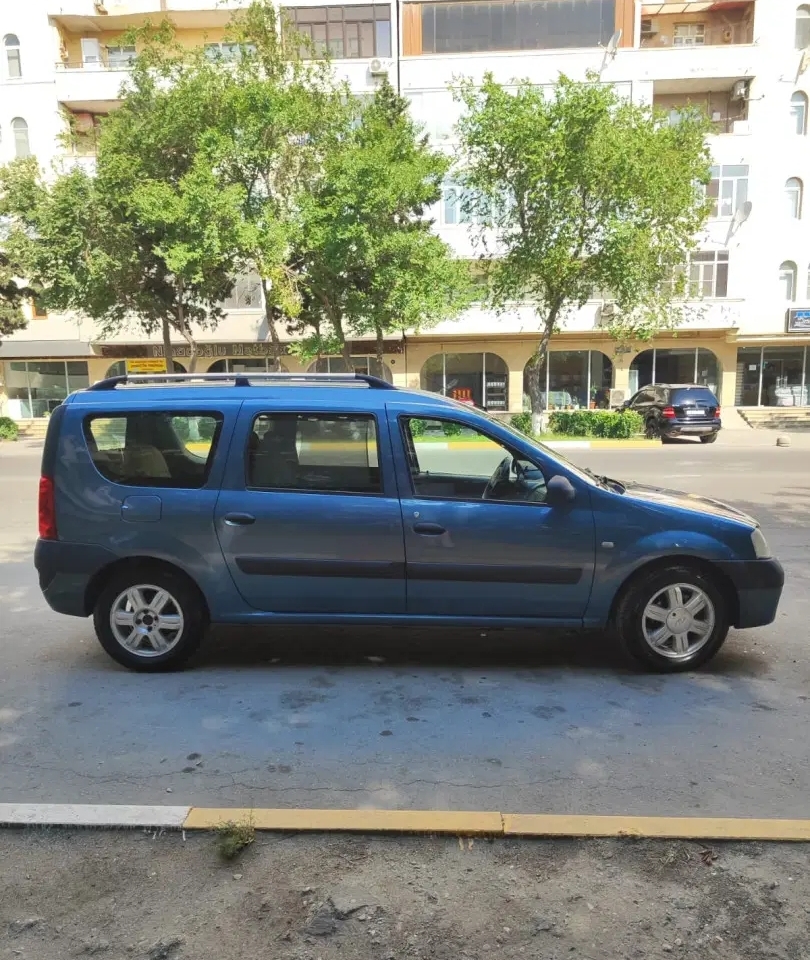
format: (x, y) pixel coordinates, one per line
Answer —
(467, 823)
(670, 828)
(355, 821)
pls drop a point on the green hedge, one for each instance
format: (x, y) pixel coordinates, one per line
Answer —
(8, 429)
(522, 422)
(596, 423)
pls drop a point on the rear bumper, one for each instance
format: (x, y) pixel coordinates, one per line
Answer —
(65, 571)
(685, 428)
(759, 586)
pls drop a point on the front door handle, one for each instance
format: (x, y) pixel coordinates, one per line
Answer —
(429, 529)
(239, 519)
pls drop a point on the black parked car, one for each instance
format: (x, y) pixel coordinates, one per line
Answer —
(677, 410)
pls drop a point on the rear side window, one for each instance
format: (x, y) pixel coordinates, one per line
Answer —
(154, 448)
(693, 395)
(326, 453)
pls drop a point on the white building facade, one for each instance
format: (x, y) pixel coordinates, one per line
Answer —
(745, 61)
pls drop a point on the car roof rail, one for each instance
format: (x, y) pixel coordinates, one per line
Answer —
(241, 379)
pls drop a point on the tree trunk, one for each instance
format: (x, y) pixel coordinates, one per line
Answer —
(380, 349)
(167, 344)
(536, 371)
(270, 313)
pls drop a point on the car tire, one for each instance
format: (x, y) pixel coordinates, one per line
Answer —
(161, 614)
(709, 438)
(647, 605)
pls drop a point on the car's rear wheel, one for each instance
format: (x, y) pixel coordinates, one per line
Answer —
(708, 438)
(149, 619)
(672, 619)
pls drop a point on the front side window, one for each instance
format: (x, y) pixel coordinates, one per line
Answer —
(728, 189)
(689, 35)
(22, 146)
(314, 453)
(13, 58)
(154, 448)
(708, 273)
(441, 468)
(343, 32)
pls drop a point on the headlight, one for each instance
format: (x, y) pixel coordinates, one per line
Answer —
(761, 548)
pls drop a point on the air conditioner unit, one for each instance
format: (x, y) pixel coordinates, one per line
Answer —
(607, 311)
(649, 28)
(740, 90)
(379, 68)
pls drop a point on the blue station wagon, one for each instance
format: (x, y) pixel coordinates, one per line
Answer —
(169, 503)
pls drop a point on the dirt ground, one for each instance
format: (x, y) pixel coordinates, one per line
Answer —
(162, 897)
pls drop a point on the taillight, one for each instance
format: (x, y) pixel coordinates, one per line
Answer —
(668, 413)
(717, 413)
(47, 510)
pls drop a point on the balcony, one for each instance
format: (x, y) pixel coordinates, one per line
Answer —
(722, 100)
(685, 24)
(90, 87)
(113, 9)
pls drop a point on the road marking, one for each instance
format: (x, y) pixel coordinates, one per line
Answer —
(456, 823)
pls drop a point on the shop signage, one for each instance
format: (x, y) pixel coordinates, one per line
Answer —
(147, 365)
(798, 321)
(210, 351)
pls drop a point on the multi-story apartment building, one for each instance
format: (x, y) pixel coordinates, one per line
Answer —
(746, 61)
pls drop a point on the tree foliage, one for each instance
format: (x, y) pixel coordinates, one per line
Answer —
(581, 191)
(11, 298)
(368, 260)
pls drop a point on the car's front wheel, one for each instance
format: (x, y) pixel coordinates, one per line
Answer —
(672, 619)
(149, 619)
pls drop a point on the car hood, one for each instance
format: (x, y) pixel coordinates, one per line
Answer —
(687, 501)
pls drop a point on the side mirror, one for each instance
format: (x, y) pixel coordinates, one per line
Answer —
(559, 491)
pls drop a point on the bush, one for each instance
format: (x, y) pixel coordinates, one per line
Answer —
(418, 428)
(609, 424)
(8, 429)
(522, 422)
(182, 427)
(451, 429)
(206, 427)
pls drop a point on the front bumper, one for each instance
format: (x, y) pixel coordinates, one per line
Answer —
(758, 584)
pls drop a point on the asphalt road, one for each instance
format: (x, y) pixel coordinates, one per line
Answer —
(507, 721)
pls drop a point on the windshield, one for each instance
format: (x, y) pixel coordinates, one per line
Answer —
(585, 475)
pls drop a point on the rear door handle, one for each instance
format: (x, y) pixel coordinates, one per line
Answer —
(429, 529)
(239, 519)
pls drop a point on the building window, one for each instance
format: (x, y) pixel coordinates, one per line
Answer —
(793, 197)
(803, 27)
(228, 51)
(682, 365)
(365, 364)
(728, 189)
(13, 59)
(481, 379)
(573, 379)
(246, 365)
(22, 147)
(344, 32)
(772, 377)
(798, 113)
(708, 273)
(689, 35)
(36, 387)
(246, 294)
(506, 25)
(808, 283)
(119, 58)
(787, 281)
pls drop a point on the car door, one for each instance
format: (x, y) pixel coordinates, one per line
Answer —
(477, 550)
(308, 517)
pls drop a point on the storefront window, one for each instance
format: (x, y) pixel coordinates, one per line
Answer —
(680, 365)
(368, 365)
(574, 379)
(772, 377)
(246, 365)
(481, 379)
(36, 387)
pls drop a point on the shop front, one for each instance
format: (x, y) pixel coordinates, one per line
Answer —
(34, 388)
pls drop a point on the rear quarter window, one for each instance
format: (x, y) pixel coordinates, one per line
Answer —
(154, 448)
(693, 395)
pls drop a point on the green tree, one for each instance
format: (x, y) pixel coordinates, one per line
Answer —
(279, 112)
(152, 239)
(368, 260)
(11, 297)
(576, 192)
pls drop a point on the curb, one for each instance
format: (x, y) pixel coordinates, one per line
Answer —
(454, 823)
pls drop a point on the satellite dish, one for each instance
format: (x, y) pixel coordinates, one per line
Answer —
(613, 43)
(740, 217)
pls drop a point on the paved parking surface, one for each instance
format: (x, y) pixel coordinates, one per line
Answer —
(395, 718)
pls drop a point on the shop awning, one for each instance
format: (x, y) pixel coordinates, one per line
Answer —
(44, 349)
